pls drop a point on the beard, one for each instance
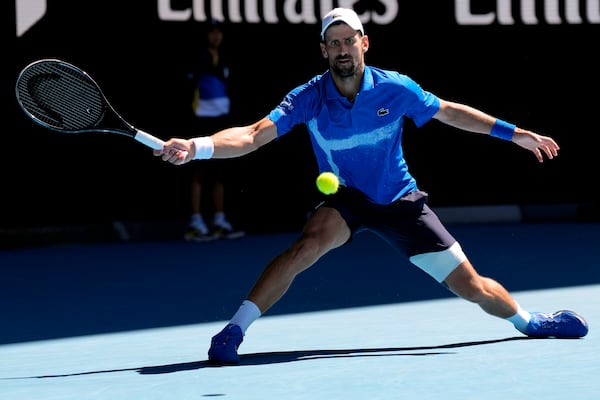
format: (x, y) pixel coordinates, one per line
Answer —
(347, 71)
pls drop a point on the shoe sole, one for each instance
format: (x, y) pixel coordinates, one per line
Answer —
(200, 240)
(234, 235)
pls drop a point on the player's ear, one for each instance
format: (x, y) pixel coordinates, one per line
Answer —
(324, 50)
(365, 42)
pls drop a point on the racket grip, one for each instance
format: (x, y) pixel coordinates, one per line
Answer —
(151, 141)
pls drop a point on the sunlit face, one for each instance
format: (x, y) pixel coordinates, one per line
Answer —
(345, 49)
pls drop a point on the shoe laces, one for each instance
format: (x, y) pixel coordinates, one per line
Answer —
(549, 321)
(229, 335)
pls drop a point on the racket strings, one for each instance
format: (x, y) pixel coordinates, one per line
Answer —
(61, 97)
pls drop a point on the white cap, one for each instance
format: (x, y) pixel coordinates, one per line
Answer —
(346, 15)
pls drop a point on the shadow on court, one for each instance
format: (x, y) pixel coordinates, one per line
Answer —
(277, 357)
(81, 289)
(303, 355)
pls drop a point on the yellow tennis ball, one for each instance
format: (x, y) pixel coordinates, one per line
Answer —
(328, 183)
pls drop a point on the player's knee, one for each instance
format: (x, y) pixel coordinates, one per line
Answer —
(326, 230)
(315, 243)
(304, 252)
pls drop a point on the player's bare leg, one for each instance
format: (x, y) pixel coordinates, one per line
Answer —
(324, 231)
(494, 299)
(490, 295)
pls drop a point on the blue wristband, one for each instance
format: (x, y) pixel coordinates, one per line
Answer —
(503, 130)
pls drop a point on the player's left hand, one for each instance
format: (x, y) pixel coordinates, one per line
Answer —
(537, 144)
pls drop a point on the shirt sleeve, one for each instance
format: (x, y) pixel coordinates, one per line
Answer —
(295, 108)
(423, 104)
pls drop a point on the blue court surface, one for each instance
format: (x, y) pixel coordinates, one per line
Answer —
(133, 320)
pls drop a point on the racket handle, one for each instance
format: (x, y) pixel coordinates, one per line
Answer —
(151, 141)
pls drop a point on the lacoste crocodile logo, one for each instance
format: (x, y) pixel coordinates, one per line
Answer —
(382, 112)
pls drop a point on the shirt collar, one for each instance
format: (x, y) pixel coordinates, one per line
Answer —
(366, 84)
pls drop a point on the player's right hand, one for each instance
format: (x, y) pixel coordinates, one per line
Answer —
(176, 151)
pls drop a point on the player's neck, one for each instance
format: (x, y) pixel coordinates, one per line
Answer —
(348, 86)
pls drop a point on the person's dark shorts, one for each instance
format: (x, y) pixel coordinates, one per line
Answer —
(408, 225)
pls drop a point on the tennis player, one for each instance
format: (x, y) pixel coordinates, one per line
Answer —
(354, 115)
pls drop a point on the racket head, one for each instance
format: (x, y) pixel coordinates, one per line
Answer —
(60, 96)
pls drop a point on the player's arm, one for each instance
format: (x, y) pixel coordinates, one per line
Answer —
(227, 143)
(238, 141)
(471, 119)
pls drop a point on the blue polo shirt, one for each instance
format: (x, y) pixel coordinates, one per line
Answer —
(360, 142)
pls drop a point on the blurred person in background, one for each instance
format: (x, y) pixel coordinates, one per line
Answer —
(211, 107)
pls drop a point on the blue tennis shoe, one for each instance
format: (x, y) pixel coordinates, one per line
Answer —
(224, 346)
(561, 324)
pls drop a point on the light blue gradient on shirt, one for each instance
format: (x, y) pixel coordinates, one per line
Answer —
(360, 141)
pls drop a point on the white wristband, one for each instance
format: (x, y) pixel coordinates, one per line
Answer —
(205, 147)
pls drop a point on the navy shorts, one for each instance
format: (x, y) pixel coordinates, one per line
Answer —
(408, 225)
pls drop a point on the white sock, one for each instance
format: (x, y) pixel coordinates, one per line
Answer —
(520, 319)
(245, 315)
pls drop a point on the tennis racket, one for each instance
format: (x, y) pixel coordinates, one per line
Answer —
(62, 97)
